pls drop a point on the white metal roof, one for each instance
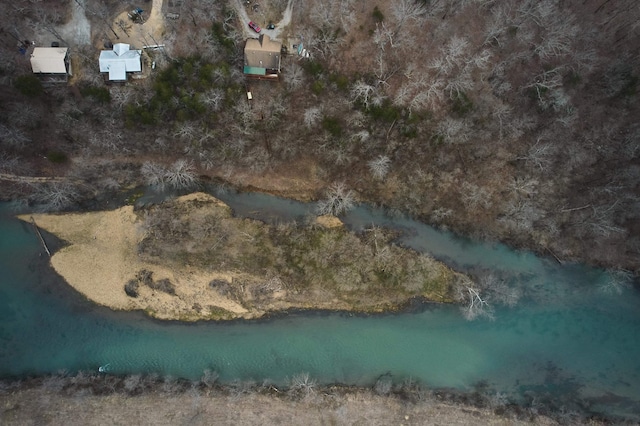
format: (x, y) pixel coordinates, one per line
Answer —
(119, 61)
(117, 71)
(49, 60)
(120, 48)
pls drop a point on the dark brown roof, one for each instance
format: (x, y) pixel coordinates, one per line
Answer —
(262, 53)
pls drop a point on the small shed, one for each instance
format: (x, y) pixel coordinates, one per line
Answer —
(120, 61)
(51, 63)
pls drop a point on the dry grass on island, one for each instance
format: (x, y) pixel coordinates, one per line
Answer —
(190, 259)
(101, 256)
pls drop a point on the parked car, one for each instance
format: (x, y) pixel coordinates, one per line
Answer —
(254, 27)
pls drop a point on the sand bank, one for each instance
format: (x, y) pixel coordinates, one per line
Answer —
(101, 256)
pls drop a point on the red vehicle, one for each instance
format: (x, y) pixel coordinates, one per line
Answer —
(254, 27)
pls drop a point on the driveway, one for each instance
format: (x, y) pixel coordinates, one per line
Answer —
(273, 34)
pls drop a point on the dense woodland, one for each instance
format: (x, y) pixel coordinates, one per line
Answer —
(512, 120)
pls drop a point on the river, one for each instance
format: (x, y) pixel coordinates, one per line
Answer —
(565, 339)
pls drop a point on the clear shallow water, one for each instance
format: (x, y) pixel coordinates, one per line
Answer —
(567, 338)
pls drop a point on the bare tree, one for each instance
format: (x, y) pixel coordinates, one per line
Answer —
(170, 385)
(13, 136)
(383, 35)
(452, 55)
(213, 98)
(325, 42)
(520, 215)
(346, 14)
(441, 213)
(154, 174)
(404, 10)
(209, 378)
(293, 75)
(382, 71)
(99, 10)
(242, 387)
(539, 155)
(558, 30)
(459, 84)
(361, 136)
(323, 13)
(338, 14)
(133, 383)
(181, 175)
(185, 130)
(23, 115)
(502, 112)
(601, 221)
(302, 385)
(339, 200)
(525, 187)
(427, 95)
(49, 20)
(379, 167)
(312, 116)
(246, 117)
(499, 290)
(548, 88)
(475, 305)
(55, 196)
(363, 92)
(474, 196)
(120, 96)
(453, 131)
(9, 163)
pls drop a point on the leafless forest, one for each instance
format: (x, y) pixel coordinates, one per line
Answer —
(513, 120)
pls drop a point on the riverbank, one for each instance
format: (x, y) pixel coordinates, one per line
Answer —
(189, 259)
(243, 406)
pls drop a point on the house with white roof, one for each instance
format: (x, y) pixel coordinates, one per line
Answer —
(120, 61)
(51, 63)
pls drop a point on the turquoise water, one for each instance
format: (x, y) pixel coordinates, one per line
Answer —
(567, 338)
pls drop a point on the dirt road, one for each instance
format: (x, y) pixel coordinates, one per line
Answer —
(275, 33)
(77, 31)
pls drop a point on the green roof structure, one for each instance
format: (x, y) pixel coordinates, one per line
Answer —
(255, 70)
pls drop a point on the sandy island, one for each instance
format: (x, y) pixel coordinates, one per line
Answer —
(104, 253)
(101, 257)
